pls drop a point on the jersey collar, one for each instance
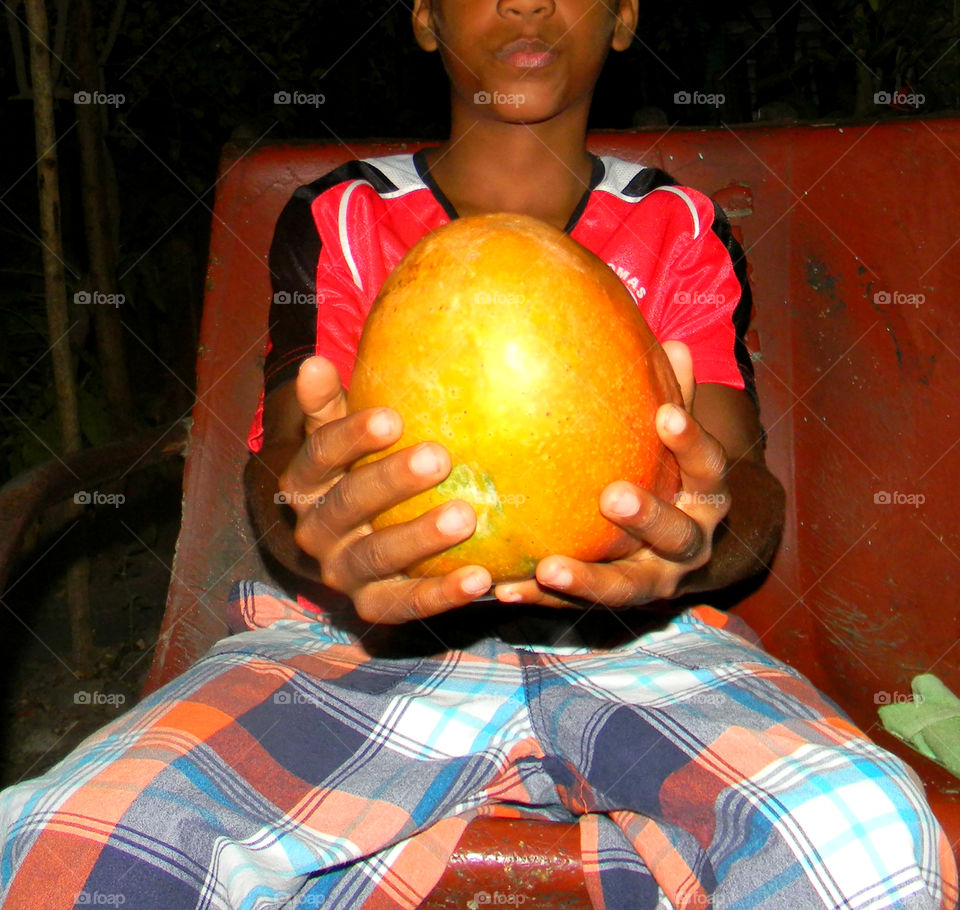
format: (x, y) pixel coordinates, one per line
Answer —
(420, 163)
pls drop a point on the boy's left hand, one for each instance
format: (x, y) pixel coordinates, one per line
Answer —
(672, 539)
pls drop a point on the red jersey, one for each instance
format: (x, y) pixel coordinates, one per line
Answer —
(339, 238)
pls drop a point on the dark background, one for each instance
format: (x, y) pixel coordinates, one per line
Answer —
(197, 73)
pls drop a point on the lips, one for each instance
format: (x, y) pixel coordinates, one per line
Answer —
(527, 53)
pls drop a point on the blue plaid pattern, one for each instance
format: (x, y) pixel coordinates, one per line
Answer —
(293, 767)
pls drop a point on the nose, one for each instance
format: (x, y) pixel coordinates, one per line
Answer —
(525, 9)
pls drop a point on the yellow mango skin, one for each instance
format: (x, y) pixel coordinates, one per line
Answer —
(522, 353)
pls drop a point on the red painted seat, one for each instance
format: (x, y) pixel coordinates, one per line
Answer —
(859, 401)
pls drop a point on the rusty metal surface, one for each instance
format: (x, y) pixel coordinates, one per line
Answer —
(858, 394)
(510, 862)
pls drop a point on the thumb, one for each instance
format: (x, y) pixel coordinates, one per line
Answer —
(679, 356)
(320, 393)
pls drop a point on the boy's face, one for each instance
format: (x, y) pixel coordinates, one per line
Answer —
(523, 61)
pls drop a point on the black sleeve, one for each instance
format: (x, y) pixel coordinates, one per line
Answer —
(294, 254)
(744, 309)
(648, 180)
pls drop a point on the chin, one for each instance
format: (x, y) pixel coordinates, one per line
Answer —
(524, 113)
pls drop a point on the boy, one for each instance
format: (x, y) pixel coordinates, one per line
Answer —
(306, 765)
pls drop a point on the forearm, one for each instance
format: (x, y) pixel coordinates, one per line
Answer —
(273, 520)
(745, 542)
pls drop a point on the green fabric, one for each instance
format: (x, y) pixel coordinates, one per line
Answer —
(930, 723)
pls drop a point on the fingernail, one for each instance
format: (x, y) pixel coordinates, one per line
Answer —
(452, 520)
(425, 461)
(380, 424)
(623, 503)
(509, 595)
(676, 420)
(476, 583)
(559, 577)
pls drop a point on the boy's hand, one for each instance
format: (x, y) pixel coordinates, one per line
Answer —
(334, 507)
(672, 539)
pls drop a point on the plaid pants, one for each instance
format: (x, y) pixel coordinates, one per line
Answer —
(290, 767)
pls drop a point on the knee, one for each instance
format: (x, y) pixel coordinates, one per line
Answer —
(853, 827)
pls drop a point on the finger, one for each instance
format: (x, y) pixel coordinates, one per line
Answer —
(682, 362)
(564, 582)
(531, 592)
(680, 531)
(389, 551)
(320, 393)
(671, 532)
(333, 447)
(367, 491)
(701, 458)
(401, 600)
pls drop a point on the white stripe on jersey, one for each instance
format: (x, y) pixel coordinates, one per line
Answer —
(617, 175)
(344, 235)
(693, 209)
(400, 171)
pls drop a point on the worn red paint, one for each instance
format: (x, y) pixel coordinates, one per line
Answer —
(859, 397)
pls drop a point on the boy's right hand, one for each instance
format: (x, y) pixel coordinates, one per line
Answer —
(334, 507)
